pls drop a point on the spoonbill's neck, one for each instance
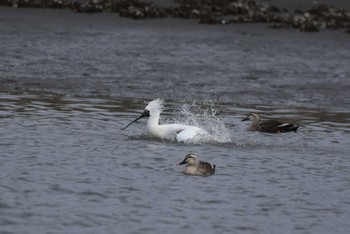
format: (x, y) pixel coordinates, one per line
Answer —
(153, 121)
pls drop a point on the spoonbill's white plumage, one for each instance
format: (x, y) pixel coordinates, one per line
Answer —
(180, 132)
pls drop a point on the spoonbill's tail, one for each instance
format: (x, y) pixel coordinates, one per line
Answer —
(143, 115)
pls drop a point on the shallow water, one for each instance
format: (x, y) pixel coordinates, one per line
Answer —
(66, 167)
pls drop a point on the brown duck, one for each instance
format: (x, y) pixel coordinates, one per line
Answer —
(269, 126)
(196, 167)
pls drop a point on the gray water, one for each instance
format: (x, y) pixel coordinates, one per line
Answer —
(70, 82)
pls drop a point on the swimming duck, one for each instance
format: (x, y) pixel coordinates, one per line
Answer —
(181, 132)
(269, 126)
(196, 167)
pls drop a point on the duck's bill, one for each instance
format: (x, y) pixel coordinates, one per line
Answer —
(182, 163)
(143, 115)
(245, 118)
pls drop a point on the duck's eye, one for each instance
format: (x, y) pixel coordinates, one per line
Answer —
(189, 158)
(147, 112)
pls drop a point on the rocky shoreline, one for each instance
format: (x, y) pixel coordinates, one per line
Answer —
(319, 17)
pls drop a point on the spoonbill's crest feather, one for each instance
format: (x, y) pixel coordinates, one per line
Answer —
(155, 105)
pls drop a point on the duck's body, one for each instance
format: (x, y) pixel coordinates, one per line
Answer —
(179, 132)
(196, 167)
(269, 126)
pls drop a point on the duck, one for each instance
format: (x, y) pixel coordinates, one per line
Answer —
(269, 126)
(196, 167)
(179, 132)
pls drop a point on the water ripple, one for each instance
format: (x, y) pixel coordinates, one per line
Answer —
(66, 164)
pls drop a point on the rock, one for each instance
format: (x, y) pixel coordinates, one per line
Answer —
(207, 12)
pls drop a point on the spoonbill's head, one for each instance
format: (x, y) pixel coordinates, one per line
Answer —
(154, 108)
(251, 116)
(190, 159)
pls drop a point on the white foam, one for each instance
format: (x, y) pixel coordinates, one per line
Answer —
(205, 116)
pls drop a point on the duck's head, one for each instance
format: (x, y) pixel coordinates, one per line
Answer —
(251, 116)
(153, 108)
(190, 159)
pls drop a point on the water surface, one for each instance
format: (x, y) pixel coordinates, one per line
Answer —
(67, 167)
(70, 82)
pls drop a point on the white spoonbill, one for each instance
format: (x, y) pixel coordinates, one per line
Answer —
(180, 132)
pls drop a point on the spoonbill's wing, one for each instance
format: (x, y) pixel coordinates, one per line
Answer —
(188, 133)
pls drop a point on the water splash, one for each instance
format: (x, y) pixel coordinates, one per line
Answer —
(205, 116)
